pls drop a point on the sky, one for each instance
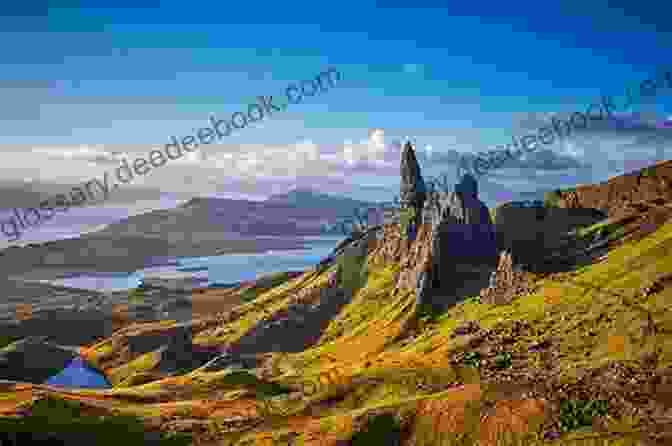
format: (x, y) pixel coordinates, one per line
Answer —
(87, 84)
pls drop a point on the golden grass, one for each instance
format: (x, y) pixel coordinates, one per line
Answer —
(360, 365)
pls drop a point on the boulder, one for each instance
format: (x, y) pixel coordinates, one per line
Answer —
(505, 283)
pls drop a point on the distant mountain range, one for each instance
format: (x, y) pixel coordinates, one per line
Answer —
(311, 199)
(23, 195)
(199, 227)
(300, 212)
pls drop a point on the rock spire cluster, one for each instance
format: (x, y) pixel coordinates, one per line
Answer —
(462, 232)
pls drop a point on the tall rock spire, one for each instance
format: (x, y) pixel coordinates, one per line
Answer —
(412, 188)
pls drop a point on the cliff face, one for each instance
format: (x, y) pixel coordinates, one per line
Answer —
(415, 258)
(618, 193)
(454, 250)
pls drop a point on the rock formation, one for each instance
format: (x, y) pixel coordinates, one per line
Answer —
(506, 282)
(455, 248)
(413, 191)
(462, 226)
(462, 231)
(616, 193)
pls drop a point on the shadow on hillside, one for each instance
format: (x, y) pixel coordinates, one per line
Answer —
(283, 334)
(297, 333)
(34, 362)
(540, 239)
(64, 327)
(462, 282)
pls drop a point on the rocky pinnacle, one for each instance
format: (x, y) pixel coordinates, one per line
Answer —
(412, 190)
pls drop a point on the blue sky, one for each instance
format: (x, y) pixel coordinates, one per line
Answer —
(80, 85)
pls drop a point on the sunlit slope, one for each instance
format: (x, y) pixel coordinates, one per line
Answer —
(590, 318)
(374, 358)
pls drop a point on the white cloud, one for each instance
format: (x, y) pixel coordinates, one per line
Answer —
(367, 151)
(308, 149)
(428, 151)
(376, 144)
(94, 154)
(349, 152)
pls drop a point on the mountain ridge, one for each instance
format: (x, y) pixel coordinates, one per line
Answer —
(581, 352)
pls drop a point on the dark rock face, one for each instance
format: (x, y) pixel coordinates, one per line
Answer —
(295, 330)
(413, 192)
(462, 230)
(467, 186)
(423, 291)
(463, 242)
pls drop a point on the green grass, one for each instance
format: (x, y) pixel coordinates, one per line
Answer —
(575, 414)
(352, 272)
(250, 294)
(611, 231)
(552, 199)
(472, 359)
(7, 340)
(263, 389)
(473, 300)
(503, 360)
(136, 296)
(264, 284)
(648, 172)
(405, 218)
(382, 430)
(66, 424)
(493, 215)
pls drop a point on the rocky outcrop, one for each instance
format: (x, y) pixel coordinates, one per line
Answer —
(414, 259)
(505, 283)
(628, 207)
(531, 234)
(412, 193)
(614, 195)
(412, 190)
(462, 226)
(455, 248)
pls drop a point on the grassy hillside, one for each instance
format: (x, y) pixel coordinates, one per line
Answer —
(584, 359)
